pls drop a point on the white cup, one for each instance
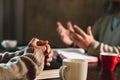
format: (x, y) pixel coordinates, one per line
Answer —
(74, 69)
(9, 44)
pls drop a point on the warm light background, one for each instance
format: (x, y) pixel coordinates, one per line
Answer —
(37, 18)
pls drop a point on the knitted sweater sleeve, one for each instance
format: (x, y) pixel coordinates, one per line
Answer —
(98, 47)
(21, 65)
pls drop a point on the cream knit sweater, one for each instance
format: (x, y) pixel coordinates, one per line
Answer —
(21, 65)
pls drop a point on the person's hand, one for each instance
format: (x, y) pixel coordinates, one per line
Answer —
(64, 33)
(48, 55)
(44, 47)
(80, 38)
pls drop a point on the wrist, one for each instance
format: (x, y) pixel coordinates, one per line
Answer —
(72, 45)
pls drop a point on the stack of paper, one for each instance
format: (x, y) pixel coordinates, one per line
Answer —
(76, 53)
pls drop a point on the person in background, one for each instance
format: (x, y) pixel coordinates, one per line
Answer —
(104, 36)
(25, 64)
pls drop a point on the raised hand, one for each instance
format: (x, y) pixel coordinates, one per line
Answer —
(82, 39)
(64, 33)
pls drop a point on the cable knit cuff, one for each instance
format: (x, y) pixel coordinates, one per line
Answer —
(38, 57)
(94, 48)
(29, 50)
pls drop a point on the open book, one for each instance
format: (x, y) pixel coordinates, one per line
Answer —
(76, 53)
(48, 74)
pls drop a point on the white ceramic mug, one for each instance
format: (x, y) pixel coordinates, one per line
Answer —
(74, 69)
(9, 44)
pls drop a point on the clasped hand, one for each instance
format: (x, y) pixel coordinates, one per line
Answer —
(44, 47)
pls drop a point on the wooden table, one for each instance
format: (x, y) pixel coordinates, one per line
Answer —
(94, 73)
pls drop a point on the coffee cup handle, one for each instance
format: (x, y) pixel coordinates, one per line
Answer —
(62, 72)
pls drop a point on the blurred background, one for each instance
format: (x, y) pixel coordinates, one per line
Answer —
(24, 19)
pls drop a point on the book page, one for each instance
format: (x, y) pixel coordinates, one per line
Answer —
(48, 74)
(76, 53)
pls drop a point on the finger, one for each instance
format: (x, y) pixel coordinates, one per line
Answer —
(59, 31)
(59, 25)
(49, 59)
(89, 31)
(77, 40)
(76, 37)
(48, 64)
(50, 54)
(33, 42)
(79, 31)
(41, 43)
(48, 48)
(41, 48)
(69, 25)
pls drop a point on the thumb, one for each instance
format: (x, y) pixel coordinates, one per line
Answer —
(89, 31)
